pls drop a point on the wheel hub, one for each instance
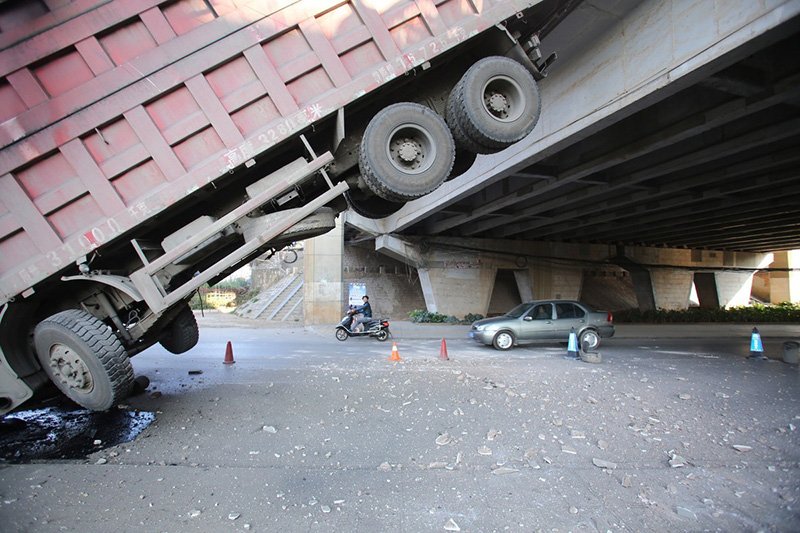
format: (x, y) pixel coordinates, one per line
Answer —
(69, 369)
(497, 102)
(408, 151)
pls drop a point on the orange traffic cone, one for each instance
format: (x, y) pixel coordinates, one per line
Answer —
(228, 355)
(395, 354)
(443, 351)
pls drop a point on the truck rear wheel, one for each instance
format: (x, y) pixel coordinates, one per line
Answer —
(407, 151)
(371, 207)
(84, 358)
(182, 334)
(495, 104)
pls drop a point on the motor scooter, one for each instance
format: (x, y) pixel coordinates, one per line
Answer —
(374, 327)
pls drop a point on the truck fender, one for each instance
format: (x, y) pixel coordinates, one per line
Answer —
(121, 283)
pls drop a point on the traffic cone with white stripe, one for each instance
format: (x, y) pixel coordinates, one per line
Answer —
(395, 354)
(756, 346)
(572, 345)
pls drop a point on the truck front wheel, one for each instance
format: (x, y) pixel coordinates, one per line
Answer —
(495, 104)
(407, 151)
(84, 358)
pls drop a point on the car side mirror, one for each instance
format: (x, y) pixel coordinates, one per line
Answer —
(528, 318)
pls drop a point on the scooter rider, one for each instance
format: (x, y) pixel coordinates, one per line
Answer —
(363, 313)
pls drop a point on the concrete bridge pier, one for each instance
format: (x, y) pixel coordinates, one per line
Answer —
(463, 276)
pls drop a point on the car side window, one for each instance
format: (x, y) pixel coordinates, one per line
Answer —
(541, 312)
(569, 311)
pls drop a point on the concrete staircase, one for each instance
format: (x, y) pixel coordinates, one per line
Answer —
(282, 301)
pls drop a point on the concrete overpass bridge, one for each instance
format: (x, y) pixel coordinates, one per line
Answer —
(667, 150)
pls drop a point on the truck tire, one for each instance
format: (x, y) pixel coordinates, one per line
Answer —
(84, 359)
(464, 142)
(407, 151)
(182, 334)
(495, 104)
(373, 207)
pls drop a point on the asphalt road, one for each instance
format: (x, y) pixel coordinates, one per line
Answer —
(674, 431)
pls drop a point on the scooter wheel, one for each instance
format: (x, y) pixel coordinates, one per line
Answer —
(382, 335)
(341, 335)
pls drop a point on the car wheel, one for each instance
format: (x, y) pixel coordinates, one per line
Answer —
(589, 340)
(341, 334)
(495, 104)
(407, 151)
(503, 340)
(382, 335)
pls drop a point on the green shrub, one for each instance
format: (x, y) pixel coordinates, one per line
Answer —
(472, 317)
(422, 316)
(784, 312)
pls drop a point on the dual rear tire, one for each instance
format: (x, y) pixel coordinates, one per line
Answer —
(408, 150)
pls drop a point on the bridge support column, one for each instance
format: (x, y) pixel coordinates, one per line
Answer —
(524, 285)
(453, 282)
(785, 286)
(323, 289)
(671, 288)
(734, 288)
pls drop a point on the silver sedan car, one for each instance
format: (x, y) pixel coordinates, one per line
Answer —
(544, 320)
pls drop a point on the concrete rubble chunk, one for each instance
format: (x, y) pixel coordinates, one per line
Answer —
(385, 467)
(234, 516)
(684, 396)
(443, 439)
(601, 463)
(676, 461)
(742, 448)
(503, 470)
(451, 525)
(626, 481)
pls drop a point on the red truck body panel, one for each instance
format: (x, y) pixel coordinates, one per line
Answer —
(112, 111)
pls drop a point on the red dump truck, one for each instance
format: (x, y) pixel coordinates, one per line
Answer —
(148, 147)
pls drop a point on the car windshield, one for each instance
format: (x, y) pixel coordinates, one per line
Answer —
(518, 311)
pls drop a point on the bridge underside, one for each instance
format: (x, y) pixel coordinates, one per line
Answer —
(671, 125)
